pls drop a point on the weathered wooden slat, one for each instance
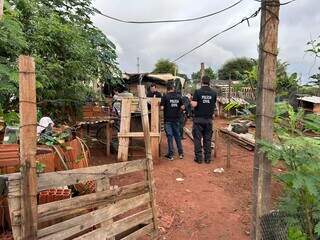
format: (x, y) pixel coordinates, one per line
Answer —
(78, 224)
(14, 203)
(130, 222)
(123, 149)
(147, 142)
(62, 208)
(103, 185)
(146, 230)
(63, 178)
(119, 226)
(155, 128)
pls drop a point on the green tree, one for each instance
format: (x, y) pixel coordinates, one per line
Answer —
(165, 66)
(285, 82)
(70, 52)
(314, 49)
(207, 71)
(236, 68)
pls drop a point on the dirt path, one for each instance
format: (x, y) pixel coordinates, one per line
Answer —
(205, 205)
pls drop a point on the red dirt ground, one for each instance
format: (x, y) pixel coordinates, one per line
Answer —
(205, 205)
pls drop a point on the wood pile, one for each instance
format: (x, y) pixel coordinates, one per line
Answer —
(240, 139)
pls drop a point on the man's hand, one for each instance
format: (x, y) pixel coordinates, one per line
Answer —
(194, 104)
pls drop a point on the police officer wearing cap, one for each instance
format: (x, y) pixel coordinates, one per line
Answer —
(203, 102)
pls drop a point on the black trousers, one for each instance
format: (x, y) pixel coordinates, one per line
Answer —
(202, 131)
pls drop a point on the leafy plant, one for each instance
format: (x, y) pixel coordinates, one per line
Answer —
(40, 167)
(232, 105)
(296, 234)
(301, 180)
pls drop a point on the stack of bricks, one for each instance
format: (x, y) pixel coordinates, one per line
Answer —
(52, 195)
(6, 236)
(86, 188)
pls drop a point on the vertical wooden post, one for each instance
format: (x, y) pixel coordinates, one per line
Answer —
(155, 128)
(228, 138)
(146, 131)
(103, 185)
(202, 71)
(1, 9)
(108, 137)
(228, 152)
(265, 108)
(123, 149)
(28, 147)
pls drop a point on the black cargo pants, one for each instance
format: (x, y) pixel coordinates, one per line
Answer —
(202, 130)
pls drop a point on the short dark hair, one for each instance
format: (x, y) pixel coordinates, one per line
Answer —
(205, 80)
(170, 86)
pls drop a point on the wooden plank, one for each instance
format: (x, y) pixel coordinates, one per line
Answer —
(146, 230)
(103, 185)
(268, 51)
(28, 146)
(138, 135)
(14, 203)
(54, 210)
(155, 128)
(130, 222)
(119, 226)
(146, 130)
(108, 138)
(123, 149)
(78, 224)
(63, 178)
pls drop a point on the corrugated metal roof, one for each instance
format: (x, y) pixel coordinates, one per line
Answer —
(312, 99)
(225, 100)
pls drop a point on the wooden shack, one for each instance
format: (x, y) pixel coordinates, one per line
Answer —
(310, 104)
(131, 81)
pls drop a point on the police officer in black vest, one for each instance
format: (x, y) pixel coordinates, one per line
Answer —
(171, 104)
(203, 102)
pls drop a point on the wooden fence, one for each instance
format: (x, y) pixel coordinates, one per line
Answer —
(110, 211)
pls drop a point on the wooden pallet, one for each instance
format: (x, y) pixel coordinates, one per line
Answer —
(90, 216)
(131, 105)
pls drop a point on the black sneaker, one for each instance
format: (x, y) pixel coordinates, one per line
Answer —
(198, 161)
(181, 156)
(170, 158)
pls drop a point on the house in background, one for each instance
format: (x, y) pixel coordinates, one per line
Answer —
(310, 104)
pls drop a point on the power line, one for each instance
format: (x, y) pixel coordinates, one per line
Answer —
(246, 19)
(168, 21)
(275, 2)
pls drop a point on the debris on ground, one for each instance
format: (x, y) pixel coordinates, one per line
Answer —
(218, 170)
(179, 179)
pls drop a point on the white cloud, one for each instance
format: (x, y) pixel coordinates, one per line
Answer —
(150, 42)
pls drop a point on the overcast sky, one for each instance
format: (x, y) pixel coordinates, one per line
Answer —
(299, 22)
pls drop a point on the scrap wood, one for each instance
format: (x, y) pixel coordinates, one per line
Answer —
(240, 139)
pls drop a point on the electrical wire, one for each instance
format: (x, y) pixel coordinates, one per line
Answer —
(168, 21)
(274, 3)
(246, 19)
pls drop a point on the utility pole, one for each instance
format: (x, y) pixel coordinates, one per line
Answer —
(202, 71)
(28, 147)
(265, 108)
(1, 9)
(138, 64)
